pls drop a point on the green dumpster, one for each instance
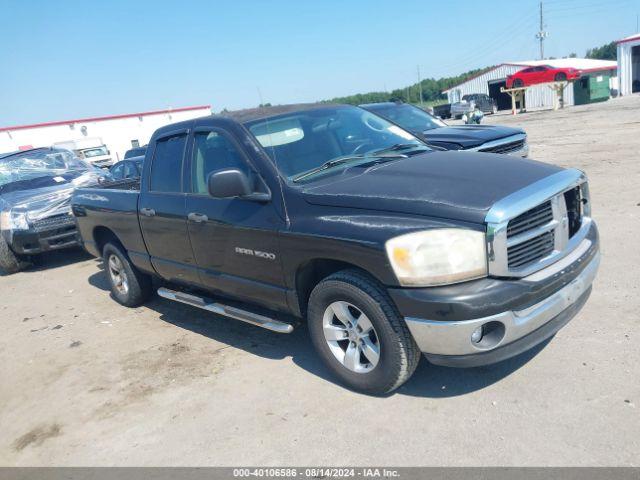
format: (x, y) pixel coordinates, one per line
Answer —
(590, 88)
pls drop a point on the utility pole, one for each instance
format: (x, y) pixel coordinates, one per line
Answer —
(419, 85)
(541, 35)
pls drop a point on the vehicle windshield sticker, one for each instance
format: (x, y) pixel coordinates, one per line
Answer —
(58, 179)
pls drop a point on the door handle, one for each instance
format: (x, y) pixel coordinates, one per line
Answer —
(197, 217)
(147, 212)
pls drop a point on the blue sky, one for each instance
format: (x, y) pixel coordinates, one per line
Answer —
(68, 59)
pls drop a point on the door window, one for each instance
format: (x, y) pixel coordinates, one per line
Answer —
(166, 167)
(212, 151)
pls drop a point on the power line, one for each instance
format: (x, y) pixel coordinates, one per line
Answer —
(581, 8)
(500, 40)
(584, 13)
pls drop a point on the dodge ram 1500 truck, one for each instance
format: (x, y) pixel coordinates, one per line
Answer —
(337, 216)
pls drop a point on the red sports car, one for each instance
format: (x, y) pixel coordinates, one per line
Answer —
(541, 74)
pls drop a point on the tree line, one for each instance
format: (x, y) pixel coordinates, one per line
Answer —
(431, 91)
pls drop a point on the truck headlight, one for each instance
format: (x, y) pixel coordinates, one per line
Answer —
(438, 257)
(13, 221)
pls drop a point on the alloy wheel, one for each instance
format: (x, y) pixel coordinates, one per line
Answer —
(351, 337)
(118, 275)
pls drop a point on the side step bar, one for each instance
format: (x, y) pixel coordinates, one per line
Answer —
(227, 311)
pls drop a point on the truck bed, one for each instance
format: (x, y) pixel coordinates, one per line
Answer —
(111, 209)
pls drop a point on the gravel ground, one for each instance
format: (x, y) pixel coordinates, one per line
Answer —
(88, 382)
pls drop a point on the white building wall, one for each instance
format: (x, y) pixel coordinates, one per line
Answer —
(627, 71)
(480, 84)
(116, 133)
(541, 96)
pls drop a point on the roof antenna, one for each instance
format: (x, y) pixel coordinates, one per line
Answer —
(275, 156)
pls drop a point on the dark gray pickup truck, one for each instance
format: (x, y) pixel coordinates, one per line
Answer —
(331, 214)
(437, 134)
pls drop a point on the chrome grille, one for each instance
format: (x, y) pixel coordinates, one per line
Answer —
(531, 250)
(56, 221)
(538, 225)
(505, 147)
(530, 219)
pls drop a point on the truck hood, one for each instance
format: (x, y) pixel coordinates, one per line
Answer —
(468, 136)
(43, 196)
(453, 185)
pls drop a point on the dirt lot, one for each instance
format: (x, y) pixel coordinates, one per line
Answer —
(87, 382)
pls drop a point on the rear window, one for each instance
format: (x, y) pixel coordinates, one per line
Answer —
(166, 168)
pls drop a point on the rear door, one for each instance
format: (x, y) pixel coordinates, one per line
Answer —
(162, 213)
(235, 241)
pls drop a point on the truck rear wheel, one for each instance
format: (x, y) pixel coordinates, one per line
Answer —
(358, 333)
(129, 286)
(9, 261)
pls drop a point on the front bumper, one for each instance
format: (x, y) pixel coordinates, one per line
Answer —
(537, 307)
(50, 234)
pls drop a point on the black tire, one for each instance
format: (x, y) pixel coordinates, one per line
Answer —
(398, 353)
(560, 77)
(138, 285)
(9, 261)
(517, 83)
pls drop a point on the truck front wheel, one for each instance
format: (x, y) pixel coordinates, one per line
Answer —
(9, 261)
(358, 333)
(129, 286)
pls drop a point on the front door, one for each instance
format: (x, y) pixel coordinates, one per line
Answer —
(235, 241)
(544, 75)
(162, 212)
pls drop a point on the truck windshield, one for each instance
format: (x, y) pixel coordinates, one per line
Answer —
(409, 117)
(301, 141)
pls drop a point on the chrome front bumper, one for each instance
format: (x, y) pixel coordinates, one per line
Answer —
(442, 338)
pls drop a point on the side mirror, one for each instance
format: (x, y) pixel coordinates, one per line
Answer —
(229, 183)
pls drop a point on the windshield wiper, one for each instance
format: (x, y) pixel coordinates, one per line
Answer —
(344, 159)
(401, 146)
